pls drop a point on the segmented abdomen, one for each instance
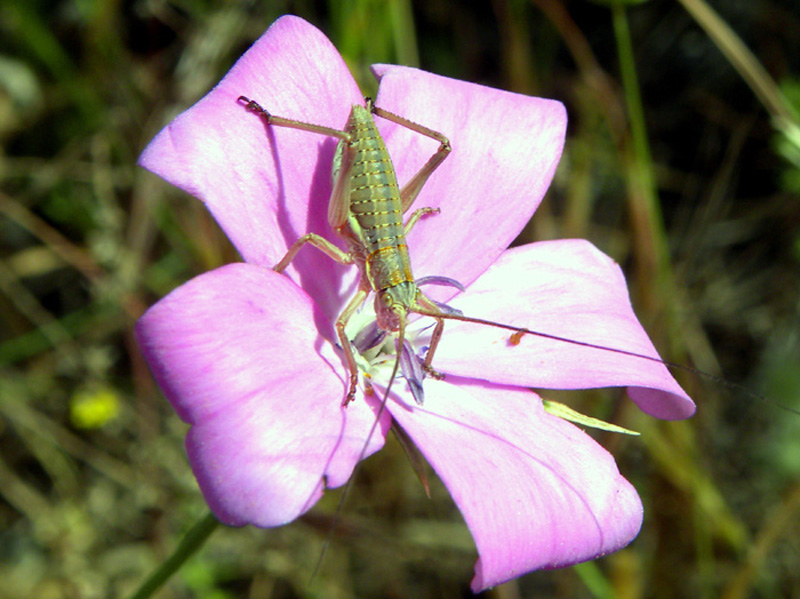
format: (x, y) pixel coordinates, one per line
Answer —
(374, 194)
(375, 204)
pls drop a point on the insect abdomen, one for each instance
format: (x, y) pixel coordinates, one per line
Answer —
(375, 204)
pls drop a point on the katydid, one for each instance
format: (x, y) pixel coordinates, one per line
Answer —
(366, 210)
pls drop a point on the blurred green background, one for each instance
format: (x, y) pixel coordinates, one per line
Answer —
(682, 162)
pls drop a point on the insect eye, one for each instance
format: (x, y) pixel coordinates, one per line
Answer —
(387, 299)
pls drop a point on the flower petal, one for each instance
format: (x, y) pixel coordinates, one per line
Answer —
(505, 150)
(267, 186)
(535, 491)
(237, 355)
(569, 289)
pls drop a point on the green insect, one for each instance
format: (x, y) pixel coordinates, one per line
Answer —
(366, 210)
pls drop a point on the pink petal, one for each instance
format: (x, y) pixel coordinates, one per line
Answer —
(569, 289)
(535, 491)
(237, 354)
(505, 150)
(265, 186)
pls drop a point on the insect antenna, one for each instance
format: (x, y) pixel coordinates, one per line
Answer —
(519, 332)
(399, 341)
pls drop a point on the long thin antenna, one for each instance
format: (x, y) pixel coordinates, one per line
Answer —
(399, 341)
(519, 332)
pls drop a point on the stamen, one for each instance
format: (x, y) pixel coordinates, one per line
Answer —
(439, 280)
(413, 371)
(368, 337)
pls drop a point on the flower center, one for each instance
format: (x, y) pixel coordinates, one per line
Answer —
(375, 349)
(375, 353)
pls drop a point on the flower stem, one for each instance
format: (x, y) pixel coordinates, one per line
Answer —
(191, 542)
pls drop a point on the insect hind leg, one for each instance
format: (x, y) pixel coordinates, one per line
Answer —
(411, 189)
(279, 121)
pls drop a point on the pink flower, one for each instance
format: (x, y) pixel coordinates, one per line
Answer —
(247, 356)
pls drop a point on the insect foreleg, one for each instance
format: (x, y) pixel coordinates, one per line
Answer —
(318, 242)
(335, 253)
(411, 189)
(341, 323)
(430, 309)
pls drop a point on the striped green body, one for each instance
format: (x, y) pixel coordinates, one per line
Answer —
(366, 209)
(373, 226)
